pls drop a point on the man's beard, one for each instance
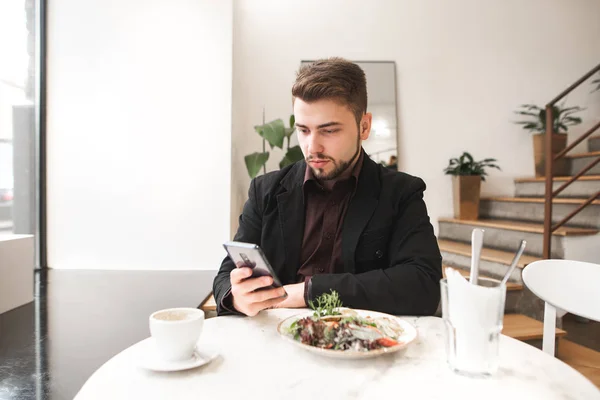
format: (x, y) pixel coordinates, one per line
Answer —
(339, 166)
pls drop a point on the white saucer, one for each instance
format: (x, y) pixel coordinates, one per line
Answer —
(148, 359)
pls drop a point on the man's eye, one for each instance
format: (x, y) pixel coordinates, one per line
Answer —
(330, 131)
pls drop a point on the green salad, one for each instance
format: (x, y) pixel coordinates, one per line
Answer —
(336, 328)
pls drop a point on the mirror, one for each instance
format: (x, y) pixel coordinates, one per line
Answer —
(382, 144)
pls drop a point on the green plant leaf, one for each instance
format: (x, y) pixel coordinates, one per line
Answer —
(561, 117)
(254, 162)
(294, 154)
(530, 114)
(292, 121)
(570, 110)
(573, 120)
(289, 132)
(466, 165)
(273, 132)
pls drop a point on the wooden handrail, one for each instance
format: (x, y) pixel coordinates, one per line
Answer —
(573, 179)
(549, 161)
(575, 143)
(573, 86)
(575, 212)
(549, 180)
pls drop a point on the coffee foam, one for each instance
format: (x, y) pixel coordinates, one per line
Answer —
(173, 315)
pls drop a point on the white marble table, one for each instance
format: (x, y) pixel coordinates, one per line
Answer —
(255, 362)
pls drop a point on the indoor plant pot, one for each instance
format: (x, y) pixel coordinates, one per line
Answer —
(535, 123)
(467, 175)
(559, 143)
(466, 191)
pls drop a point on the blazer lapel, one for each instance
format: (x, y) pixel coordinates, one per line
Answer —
(360, 210)
(290, 206)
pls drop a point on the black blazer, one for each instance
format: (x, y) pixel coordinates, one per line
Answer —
(392, 261)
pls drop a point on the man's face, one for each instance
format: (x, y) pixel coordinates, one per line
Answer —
(329, 136)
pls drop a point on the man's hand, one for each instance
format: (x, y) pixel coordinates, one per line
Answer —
(295, 297)
(245, 297)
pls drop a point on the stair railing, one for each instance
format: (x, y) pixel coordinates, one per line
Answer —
(550, 194)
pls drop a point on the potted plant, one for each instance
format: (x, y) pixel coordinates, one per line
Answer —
(467, 175)
(536, 123)
(274, 133)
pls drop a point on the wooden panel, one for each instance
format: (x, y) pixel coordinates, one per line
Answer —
(585, 360)
(209, 304)
(573, 353)
(522, 327)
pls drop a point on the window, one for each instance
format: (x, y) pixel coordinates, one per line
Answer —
(18, 110)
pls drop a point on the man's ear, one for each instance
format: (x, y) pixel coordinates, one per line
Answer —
(365, 126)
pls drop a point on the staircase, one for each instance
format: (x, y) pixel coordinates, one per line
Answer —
(508, 220)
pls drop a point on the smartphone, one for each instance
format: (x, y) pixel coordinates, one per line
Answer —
(251, 255)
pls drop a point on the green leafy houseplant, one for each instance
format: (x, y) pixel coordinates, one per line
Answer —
(274, 133)
(467, 175)
(536, 123)
(465, 165)
(562, 118)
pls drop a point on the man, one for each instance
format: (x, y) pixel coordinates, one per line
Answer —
(336, 220)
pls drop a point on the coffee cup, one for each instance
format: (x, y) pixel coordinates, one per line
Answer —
(175, 332)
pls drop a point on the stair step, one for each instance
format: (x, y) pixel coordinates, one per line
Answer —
(558, 178)
(498, 256)
(584, 187)
(493, 263)
(539, 200)
(573, 353)
(579, 161)
(531, 209)
(521, 327)
(521, 226)
(506, 235)
(583, 155)
(510, 286)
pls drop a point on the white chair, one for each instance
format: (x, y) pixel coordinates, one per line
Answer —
(565, 286)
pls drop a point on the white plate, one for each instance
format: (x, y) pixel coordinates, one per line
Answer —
(407, 337)
(148, 359)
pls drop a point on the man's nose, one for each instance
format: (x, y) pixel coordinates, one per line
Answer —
(314, 145)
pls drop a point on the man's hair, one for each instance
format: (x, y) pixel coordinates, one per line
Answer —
(334, 79)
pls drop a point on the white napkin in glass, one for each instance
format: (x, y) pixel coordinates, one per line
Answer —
(475, 312)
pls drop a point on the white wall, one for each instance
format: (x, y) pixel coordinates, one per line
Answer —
(463, 66)
(139, 144)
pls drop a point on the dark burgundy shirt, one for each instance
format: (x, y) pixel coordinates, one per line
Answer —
(324, 216)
